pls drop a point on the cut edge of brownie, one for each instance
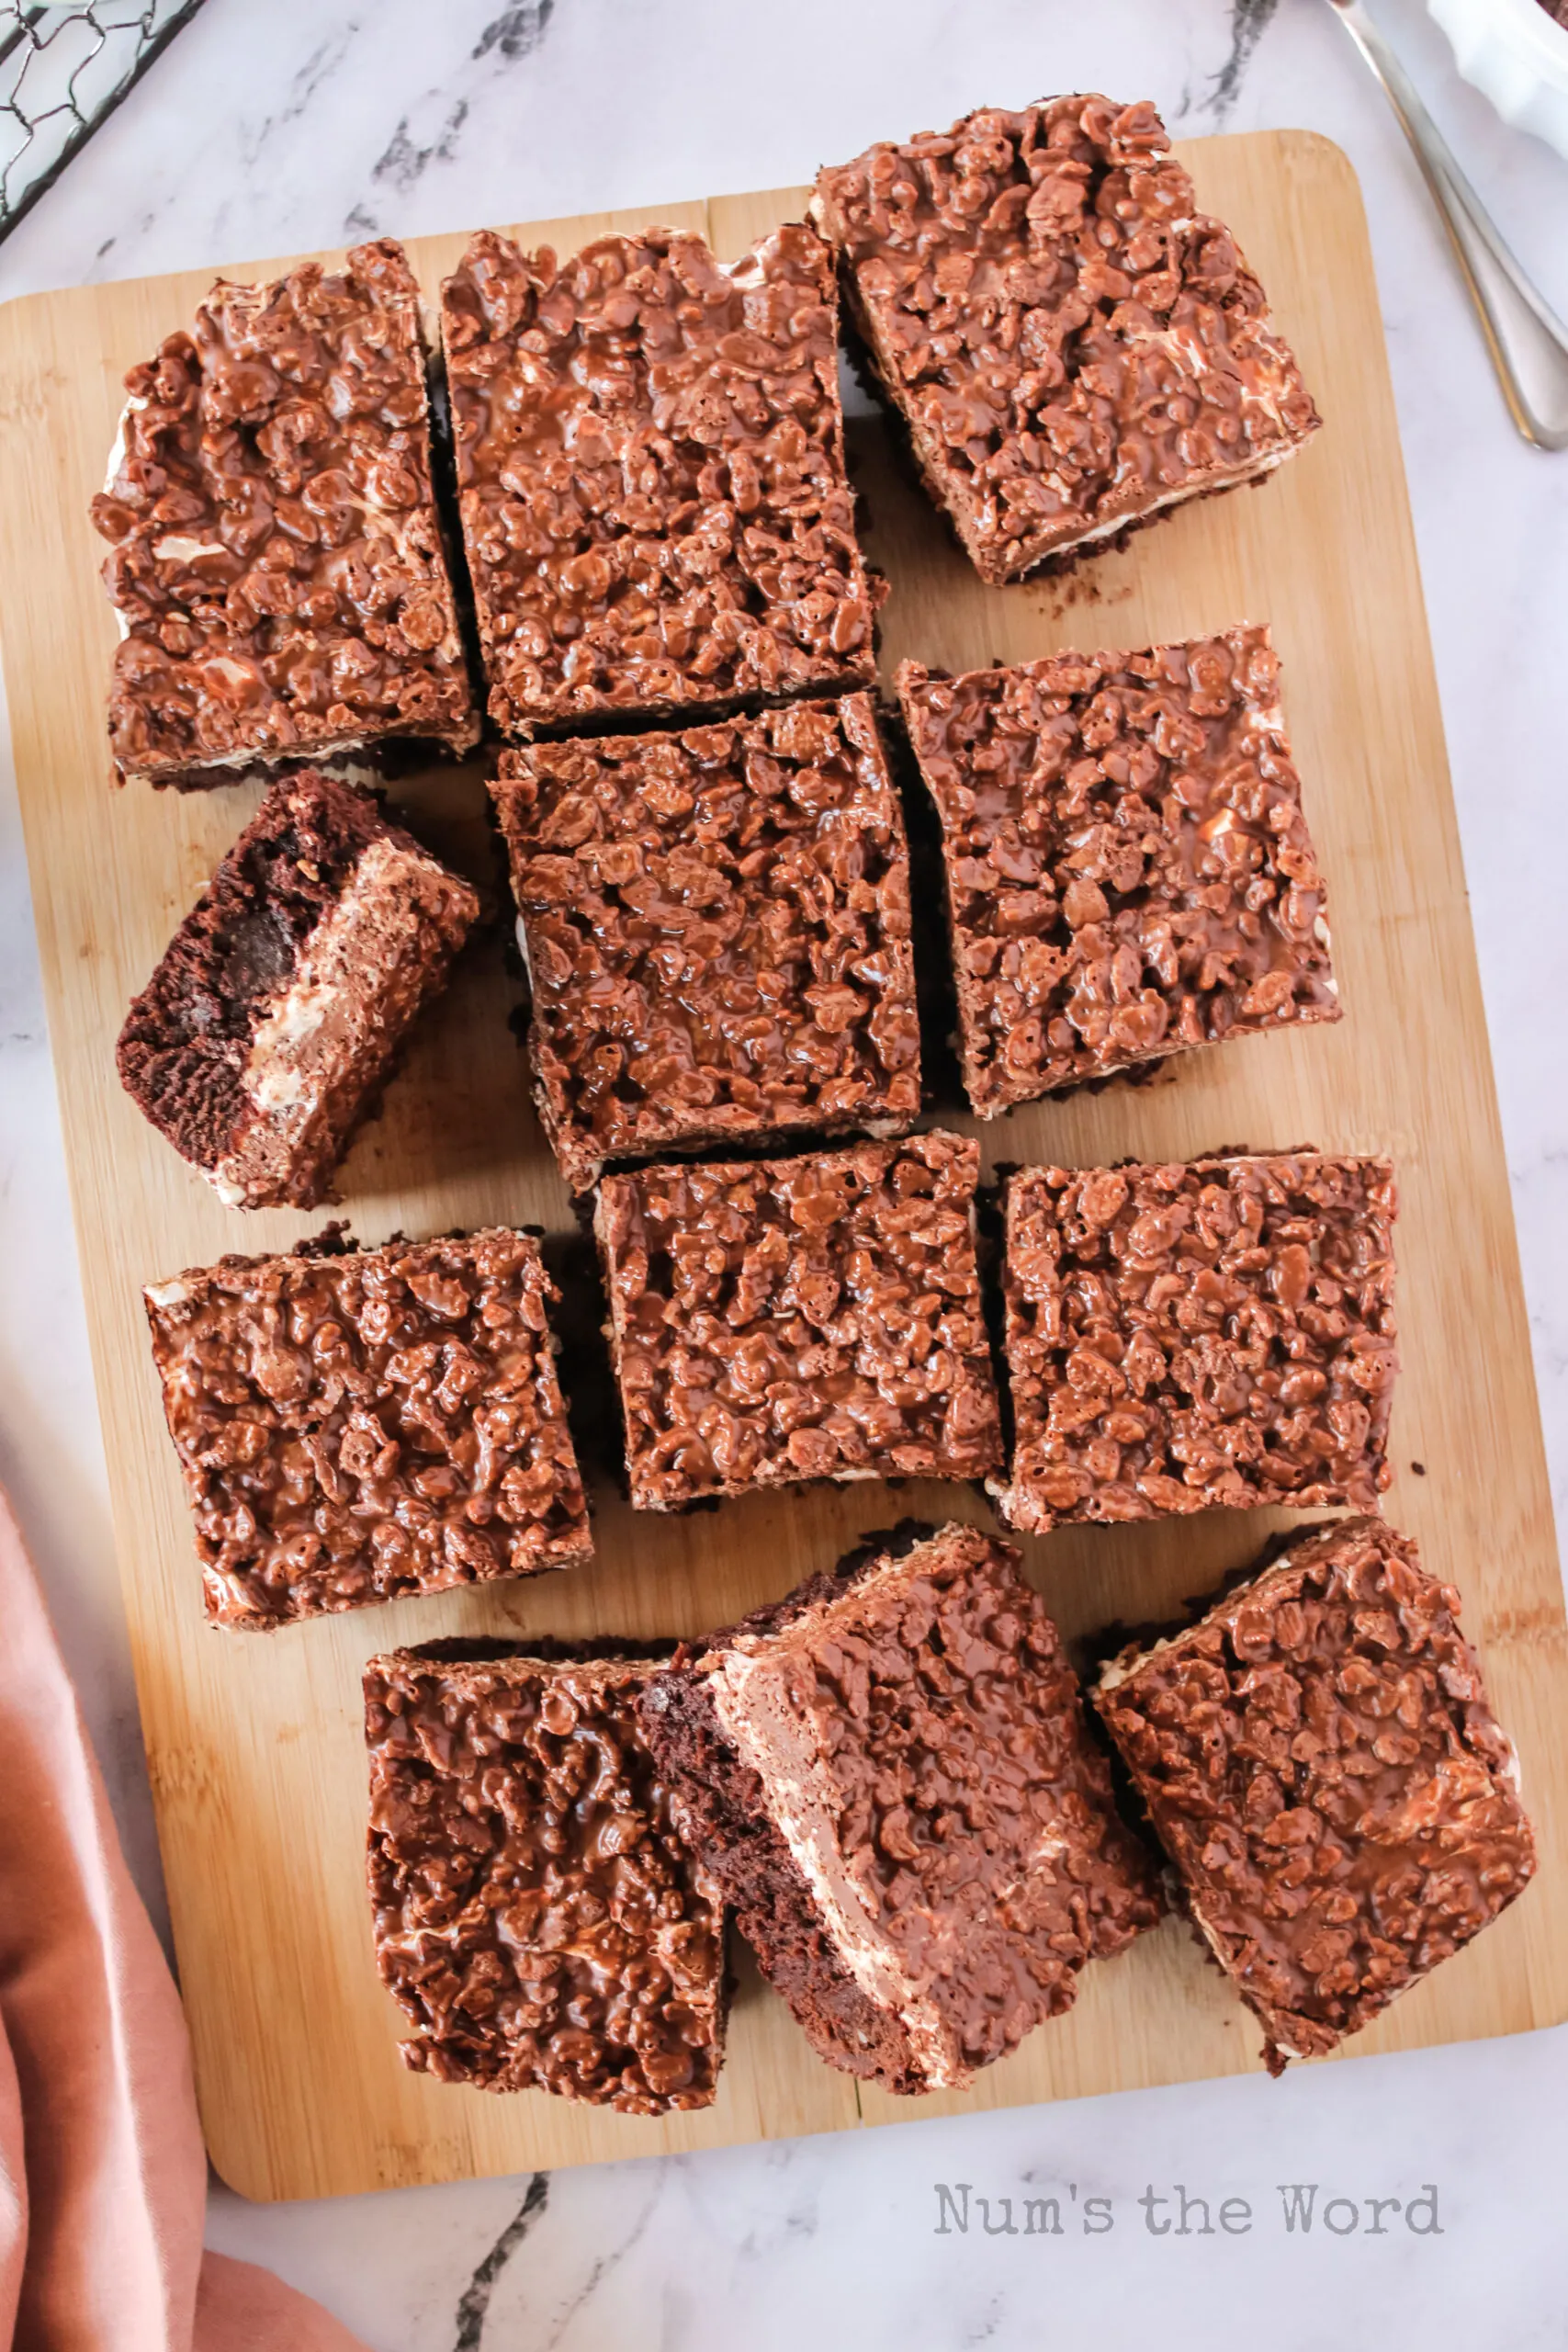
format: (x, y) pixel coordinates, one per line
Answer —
(323, 910)
(722, 1800)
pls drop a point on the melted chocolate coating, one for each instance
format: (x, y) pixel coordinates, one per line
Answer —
(1129, 872)
(718, 926)
(820, 1318)
(1183, 1337)
(1320, 1761)
(359, 1427)
(538, 1917)
(1071, 342)
(650, 470)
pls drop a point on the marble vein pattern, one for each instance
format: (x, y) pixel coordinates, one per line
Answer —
(308, 123)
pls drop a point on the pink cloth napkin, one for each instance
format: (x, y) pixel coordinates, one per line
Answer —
(103, 2182)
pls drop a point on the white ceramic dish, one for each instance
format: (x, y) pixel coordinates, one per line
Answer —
(1516, 55)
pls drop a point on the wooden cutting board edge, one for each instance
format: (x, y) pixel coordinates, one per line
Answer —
(1112, 2039)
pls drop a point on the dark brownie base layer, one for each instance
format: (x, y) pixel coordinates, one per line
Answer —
(1095, 1894)
(724, 1810)
(255, 1062)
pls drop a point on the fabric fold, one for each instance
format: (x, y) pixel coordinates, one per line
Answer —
(103, 2178)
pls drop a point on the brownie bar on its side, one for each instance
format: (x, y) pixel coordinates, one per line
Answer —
(358, 1427)
(821, 1317)
(538, 1917)
(1179, 1338)
(716, 928)
(889, 1777)
(1129, 872)
(277, 567)
(1319, 1759)
(277, 1011)
(650, 470)
(1072, 345)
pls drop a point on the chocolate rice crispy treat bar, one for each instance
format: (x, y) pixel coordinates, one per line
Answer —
(889, 1777)
(539, 1920)
(650, 470)
(1319, 1759)
(354, 1428)
(280, 1005)
(1179, 1338)
(1072, 345)
(717, 929)
(1129, 871)
(820, 1317)
(276, 565)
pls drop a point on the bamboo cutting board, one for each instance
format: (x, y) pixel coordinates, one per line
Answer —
(255, 1742)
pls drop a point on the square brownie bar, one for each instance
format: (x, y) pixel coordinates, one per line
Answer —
(1180, 1337)
(360, 1426)
(539, 1920)
(277, 567)
(778, 1320)
(1320, 1762)
(1071, 344)
(1129, 871)
(889, 1777)
(278, 1010)
(717, 929)
(650, 470)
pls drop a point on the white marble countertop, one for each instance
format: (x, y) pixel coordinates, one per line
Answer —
(303, 123)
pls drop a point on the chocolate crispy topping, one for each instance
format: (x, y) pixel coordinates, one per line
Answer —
(1322, 1765)
(1183, 1337)
(1129, 872)
(359, 1427)
(903, 1804)
(1072, 343)
(718, 931)
(277, 557)
(799, 1318)
(538, 1917)
(651, 475)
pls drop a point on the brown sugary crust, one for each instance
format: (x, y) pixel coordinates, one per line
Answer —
(650, 471)
(357, 1427)
(182, 1055)
(1072, 345)
(718, 934)
(1319, 1759)
(1177, 1337)
(786, 1319)
(538, 1917)
(921, 1715)
(276, 553)
(1128, 869)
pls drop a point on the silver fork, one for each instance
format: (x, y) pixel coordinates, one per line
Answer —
(1528, 342)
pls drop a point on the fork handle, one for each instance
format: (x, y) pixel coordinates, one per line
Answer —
(1528, 343)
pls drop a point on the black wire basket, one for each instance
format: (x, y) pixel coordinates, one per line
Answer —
(63, 70)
